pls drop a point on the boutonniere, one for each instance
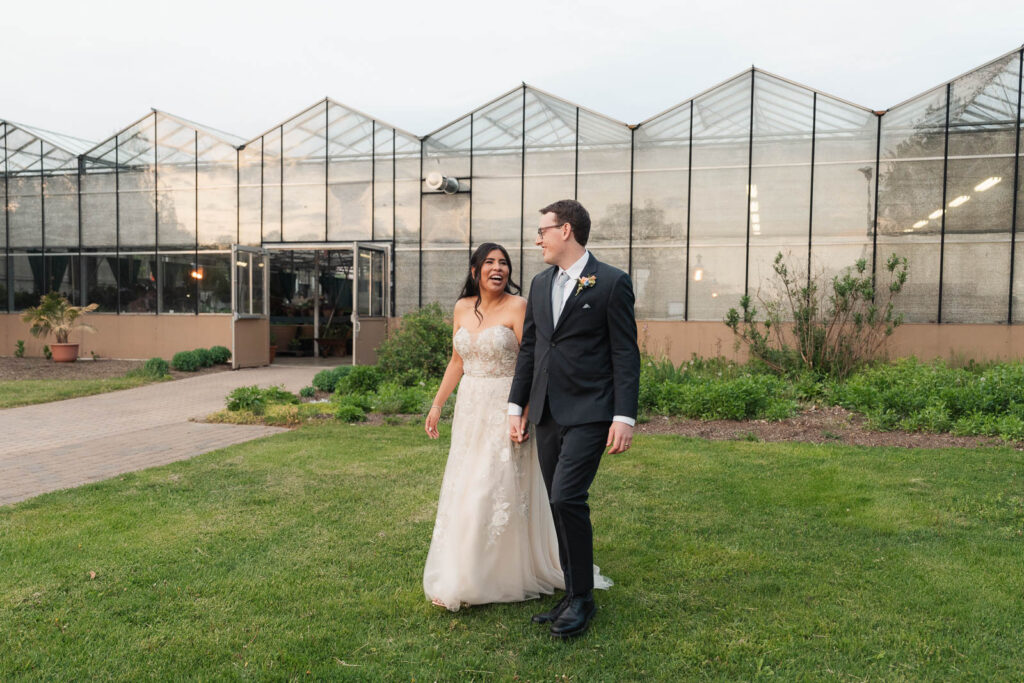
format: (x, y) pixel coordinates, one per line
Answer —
(585, 283)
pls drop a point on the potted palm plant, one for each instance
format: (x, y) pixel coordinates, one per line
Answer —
(55, 315)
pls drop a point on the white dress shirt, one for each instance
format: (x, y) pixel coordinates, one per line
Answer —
(574, 272)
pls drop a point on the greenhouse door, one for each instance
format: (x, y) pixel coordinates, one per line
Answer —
(369, 302)
(250, 328)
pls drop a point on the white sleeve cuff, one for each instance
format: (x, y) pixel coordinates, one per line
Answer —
(622, 418)
(515, 409)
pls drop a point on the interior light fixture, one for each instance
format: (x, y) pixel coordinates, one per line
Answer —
(920, 224)
(698, 274)
(754, 207)
(935, 214)
(242, 264)
(197, 274)
(753, 191)
(959, 200)
(988, 183)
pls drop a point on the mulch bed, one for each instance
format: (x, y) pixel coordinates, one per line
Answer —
(12, 368)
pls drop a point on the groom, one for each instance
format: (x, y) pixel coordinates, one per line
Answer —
(579, 372)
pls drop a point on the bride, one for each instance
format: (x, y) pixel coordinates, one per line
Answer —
(494, 537)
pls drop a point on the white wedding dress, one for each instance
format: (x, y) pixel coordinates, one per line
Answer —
(494, 537)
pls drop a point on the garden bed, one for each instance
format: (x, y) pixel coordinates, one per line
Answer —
(15, 369)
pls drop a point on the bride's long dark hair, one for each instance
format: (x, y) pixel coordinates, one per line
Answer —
(476, 262)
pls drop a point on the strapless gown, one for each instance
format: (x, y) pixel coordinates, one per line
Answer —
(494, 536)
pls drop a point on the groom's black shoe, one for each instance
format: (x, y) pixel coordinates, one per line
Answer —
(575, 618)
(548, 617)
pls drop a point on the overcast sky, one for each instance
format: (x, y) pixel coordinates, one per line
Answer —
(90, 68)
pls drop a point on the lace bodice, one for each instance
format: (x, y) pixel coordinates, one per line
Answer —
(490, 353)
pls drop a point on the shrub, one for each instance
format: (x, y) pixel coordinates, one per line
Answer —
(363, 401)
(185, 361)
(419, 349)
(278, 395)
(835, 328)
(247, 398)
(327, 380)
(743, 397)
(154, 368)
(47, 353)
(221, 354)
(360, 379)
(347, 412)
(19, 349)
(394, 398)
(205, 357)
(307, 392)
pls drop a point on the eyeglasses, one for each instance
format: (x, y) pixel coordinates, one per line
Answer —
(540, 230)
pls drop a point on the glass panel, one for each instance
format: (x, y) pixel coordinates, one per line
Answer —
(446, 221)
(407, 287)
(407, 224)
(5, 305)
(249, 190)
(98, 274)
(215, 285)
(178, 280)
(497, 175)
(99, 198)
(137, 278)
(305, 146)
(603, 186)
(25, 211)
(176, 184)
(844, 186)
(136, 210)
(910, 198)
(61, 207)
(550, 171)
(363, 287)
(444, 272)
(272, 186)
(1018, 262)
(243, 282)
(718, 199)
(383, 183)
(660, 191)
(378, 289)
(979, 194)
(217, 197)
(63, 274)
(26, 279)
(350, 175)
(259, 275)
(780, 189)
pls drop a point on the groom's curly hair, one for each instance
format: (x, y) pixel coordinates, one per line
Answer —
(572, 212)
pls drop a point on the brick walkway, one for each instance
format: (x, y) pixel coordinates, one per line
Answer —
(53, 446)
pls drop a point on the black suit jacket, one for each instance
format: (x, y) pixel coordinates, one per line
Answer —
(587, 367)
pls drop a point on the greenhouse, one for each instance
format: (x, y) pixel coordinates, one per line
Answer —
(315, 234)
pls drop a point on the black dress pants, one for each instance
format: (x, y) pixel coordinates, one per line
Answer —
(569, 457)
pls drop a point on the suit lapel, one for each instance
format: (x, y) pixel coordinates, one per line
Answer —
(573, 300)
(544, 305)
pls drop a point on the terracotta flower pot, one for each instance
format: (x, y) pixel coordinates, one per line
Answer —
(64, 353)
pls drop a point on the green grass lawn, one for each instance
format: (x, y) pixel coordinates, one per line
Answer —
(29, 391)
(300, 557)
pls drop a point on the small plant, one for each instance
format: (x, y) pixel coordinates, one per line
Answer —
(185, 361)
(347, 412)
(831, 333)
(204, 356)
(47, 353)
(360, 379)
(247, 398)
(307, 392)
(19, 349)
(221, 354)
(155, 367)
(279, 395)
(95, 356)
(327, 380)
(393, 398)
(55, 315)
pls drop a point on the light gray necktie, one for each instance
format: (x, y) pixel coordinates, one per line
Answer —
(558, 294)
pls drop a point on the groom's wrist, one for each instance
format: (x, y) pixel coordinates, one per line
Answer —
(515, 410)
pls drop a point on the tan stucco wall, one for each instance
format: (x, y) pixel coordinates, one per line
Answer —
(680, 340)
(128, 336)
